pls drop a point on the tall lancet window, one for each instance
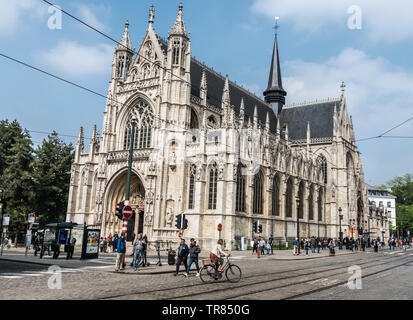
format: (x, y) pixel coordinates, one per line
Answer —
(301, 197)
(310, 204)
(240, 200)
(175, 51)
(213, 178)
(258, 190)
(323, 162)
(143, 129)
(275, 196)
(289, 199)
(191, 189)
(320, 205)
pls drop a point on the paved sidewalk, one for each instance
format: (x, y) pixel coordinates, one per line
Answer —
(107, 260)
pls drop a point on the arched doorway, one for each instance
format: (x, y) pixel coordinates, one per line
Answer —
(115, 194)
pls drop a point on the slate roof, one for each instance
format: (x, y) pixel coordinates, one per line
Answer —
(319, 114)
(215, 87)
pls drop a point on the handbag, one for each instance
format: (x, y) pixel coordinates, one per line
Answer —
(213, 258)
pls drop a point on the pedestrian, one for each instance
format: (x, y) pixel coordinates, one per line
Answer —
(194, 251)
(72, 247)
(318, 245)
(307, 245)
(313, 244)
(101, 244)
(331, 246)
(120, 248)
(138, 248)
(182, 256)
(271, 241)
(295, 244)
(262, 246)
(145, 249)
(268, 247)
(115, 242)
(254, 245)
(36, 244)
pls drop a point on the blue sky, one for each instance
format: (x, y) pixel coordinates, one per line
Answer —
(317, 49)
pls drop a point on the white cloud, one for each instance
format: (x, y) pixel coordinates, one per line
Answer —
(76, 59)
(381, 20)
(15, 12)
(378, 93)
(379, 96)
(89, 16)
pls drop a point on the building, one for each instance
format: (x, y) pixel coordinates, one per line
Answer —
(382, 210)
(213, 150)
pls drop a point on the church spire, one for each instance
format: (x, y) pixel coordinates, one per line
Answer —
(178, 28)
(275, 94)
(125, 40)
(151, 15)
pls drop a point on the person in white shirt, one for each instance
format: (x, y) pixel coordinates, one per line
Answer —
(216, 256)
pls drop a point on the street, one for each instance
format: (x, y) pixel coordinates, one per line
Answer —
(385, 275)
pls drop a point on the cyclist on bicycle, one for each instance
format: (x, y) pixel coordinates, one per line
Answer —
(216, 256)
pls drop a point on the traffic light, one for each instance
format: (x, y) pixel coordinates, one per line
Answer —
(119, 210)
(254, 226)
(178, 221)
(260, 228)
(185, 223)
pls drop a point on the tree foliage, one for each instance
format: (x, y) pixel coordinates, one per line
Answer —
(33, 180)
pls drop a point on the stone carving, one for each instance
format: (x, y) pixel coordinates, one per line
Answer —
(169, 216)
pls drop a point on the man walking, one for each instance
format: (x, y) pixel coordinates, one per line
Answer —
(182, 255)
(262, 246)
(295, 243)
(313, 243)
(271, 242)
(120, 246)
(194, 251)
(138, 247)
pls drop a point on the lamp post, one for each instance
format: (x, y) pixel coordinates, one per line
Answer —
(340, 215)
(298, 224)
(1, 212)
(128, 179)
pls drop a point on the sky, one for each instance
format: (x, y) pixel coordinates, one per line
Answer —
(365, 43)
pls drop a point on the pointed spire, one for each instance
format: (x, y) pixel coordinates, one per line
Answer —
(241, 113)
(225, 93)
(267, 122)
(125, 40)
(343, 88)
(80, 137)
(255, 117)
(286, 132)
(308, 132)
(203, 89)
(151, 15)
(278, 127)
(179, 25)
(275, 94)
(94, 135)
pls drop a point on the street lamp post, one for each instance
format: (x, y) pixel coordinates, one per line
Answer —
(298, 224)
(1, 212)
(341, 234)
(128, 179)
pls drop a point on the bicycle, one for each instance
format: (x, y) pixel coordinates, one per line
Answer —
(232, 272)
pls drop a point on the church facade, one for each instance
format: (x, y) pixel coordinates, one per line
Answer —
(211, 149)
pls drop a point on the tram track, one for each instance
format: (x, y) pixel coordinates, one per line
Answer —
(212, 287)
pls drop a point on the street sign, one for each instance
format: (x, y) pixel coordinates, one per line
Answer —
(31, 218)
(219, 227)
(6, 220)
(127, 212)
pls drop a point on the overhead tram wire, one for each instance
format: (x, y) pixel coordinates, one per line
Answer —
(383, 134)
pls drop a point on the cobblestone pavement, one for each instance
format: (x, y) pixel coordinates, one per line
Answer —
(262, 279)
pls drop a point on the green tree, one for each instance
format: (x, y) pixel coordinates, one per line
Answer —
(51, 176)
(402, 188)
(16, 175)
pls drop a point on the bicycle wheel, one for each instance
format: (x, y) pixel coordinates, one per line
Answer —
(233, 273)
(207, 273)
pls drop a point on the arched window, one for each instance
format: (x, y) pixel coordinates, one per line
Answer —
(240, 200)
(212, 197)
(289, 199)
(258, 190)
(143, 129)
(323, 162)
(320, 205)
(194, 124)
(275, 196)
(301, 197)
(310, 204)
(191, 187)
